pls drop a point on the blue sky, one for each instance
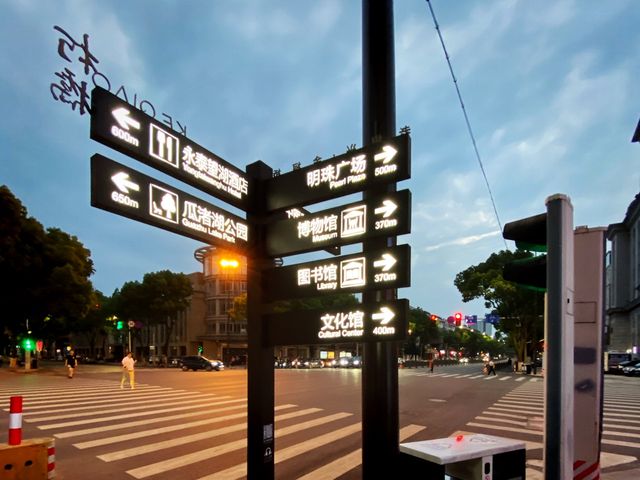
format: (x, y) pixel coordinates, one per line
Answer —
(551, 91)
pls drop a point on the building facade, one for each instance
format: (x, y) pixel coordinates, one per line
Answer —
(623, 283)
(224, 277)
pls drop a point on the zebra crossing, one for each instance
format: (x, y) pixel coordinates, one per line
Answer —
(519, 414)
(510, 377)
(163, 432)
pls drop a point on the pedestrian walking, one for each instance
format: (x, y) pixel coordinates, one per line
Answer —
(128, 364)
(492, 368)
(71, 363)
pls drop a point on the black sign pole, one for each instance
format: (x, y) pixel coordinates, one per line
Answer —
(260, 374)
(380, 424)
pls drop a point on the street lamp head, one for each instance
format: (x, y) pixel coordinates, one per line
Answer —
(229, 263)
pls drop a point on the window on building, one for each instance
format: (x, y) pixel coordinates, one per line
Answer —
(211, 307)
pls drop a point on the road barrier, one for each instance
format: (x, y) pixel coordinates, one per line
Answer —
(29, 460)
(15, 420)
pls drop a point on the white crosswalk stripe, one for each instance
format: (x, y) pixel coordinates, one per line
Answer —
(521, 412)
(183, 427)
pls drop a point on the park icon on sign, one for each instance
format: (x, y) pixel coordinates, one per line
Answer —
(163, 204)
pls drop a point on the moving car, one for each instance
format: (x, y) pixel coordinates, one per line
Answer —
(198, 362)
(618, 368)
(633, 369)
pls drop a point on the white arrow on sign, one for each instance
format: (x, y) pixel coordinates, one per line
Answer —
(387, 208)
(384, 316)
(122, 117)
(121, 179)
(386, 262)
(386, 155)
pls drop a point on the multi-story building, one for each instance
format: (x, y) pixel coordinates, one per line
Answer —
(224, 277)
(623, 282)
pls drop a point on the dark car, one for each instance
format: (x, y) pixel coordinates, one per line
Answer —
(617, 369)
(197, 362)
(632, 369)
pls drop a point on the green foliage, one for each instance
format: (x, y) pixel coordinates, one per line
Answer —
(46, 273)
(520, 310)
(157, 300)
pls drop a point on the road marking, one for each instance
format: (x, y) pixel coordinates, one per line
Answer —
(74, 414)
(502, 379)
(171, 428)
(506, 429)
(89, 405)
(188, 459)
(174, 442)
(350, 461)
(521, 379)
(147, 421)
(491, 377)
(478, 376)
(437, 400)
(135, 415)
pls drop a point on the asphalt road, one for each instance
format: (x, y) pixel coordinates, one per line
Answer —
(191, 425)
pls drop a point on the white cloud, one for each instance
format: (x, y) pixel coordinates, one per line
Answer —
(462, 241)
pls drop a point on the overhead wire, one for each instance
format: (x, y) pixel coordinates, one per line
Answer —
(466, 119)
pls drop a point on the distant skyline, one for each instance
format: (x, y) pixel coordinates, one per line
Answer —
(551, 94)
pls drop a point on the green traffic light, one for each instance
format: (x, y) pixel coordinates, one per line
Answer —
(119, 325)
(27, 343)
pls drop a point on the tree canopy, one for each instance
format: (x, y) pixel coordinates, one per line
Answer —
(46, 273)
(521, 310)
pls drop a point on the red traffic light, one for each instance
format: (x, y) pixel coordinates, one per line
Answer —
(434, 317)
(458, 318)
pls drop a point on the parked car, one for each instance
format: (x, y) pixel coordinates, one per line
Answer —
(314, 363)
(464, 360)
(198, 362)
(632, 370)
(282, 363)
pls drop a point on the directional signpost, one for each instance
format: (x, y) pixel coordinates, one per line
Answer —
(277, 224)
(374, 322)
(351, 172)
(116, 124)
(380, 216)
(388, 268)
(127, 192)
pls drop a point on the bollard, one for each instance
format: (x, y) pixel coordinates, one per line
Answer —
(15, 421)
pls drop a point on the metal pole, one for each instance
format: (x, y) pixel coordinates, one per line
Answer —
(380, 435)
(260, 374)
(559, 324)
(129, 338)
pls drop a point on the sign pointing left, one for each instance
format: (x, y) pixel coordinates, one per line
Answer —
(127, 192)
(124, 120)
(121, 179)
(118, 125)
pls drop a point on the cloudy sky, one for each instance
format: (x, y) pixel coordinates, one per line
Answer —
(551, 92)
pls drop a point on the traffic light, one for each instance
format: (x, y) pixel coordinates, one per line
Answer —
(434, 317)
(530, 234)
(27, 344)
(119, 325)
(200, 349)
(458, 318)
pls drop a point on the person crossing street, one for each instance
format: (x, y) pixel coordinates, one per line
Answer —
(128, 364)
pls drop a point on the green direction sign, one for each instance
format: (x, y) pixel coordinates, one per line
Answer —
(128, 130)
(373, 322)
(127, 192)
(384, 215)
(379, 269)
(354, 171)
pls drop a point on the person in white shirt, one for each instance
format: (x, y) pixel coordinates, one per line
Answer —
(128, 368)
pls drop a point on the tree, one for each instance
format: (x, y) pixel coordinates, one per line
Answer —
(46, 273)
(156, 301)
(520, 310)
(94, 326)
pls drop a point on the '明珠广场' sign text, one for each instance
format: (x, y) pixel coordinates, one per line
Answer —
(354, 171)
